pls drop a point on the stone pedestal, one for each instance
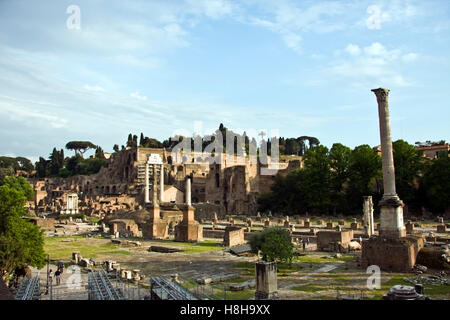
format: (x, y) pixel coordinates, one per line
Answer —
(155, 228)
(267, 223)
(307, 224)
(391, 218)
(76, 257)
(286, 224)
(392, 254)
(354, 225)
(233, 236)
(442, 228)
(188, 230)
(266, 281)
(329, 225)
(341, 222)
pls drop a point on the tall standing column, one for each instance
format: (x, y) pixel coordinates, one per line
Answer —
(368, 215)
(147, 191)
(161, 184)
(155, 192)
(391, 207)
(188, 192)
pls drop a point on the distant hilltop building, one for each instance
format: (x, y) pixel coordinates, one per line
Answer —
(433, 151)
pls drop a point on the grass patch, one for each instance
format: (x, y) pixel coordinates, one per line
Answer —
(283, 268)
(196, 247)
(88, 247)
(317, 259)
(232, 295)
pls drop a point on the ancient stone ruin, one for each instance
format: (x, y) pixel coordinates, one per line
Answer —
(392, 249)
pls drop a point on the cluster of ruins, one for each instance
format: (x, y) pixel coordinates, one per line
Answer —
(148, 193)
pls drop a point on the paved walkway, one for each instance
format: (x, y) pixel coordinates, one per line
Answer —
(324, 269)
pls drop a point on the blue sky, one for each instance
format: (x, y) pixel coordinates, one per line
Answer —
(299, 67)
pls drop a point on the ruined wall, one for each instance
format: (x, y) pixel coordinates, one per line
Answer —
(206, 211)
(329, 240)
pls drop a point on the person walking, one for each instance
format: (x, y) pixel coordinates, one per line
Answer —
(58, 277)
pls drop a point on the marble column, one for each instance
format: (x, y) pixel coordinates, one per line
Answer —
(368, 215)
(155, 192)
(147, 191)
(188, 192)
(161, 184)
(391, 207)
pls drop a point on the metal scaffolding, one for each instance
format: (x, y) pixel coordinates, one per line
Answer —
(101, 288)
(29, 289)
(163, 289)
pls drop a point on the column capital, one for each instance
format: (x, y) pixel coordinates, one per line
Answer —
(381, 93)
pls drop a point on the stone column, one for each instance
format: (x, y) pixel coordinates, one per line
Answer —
(161, 184)
(391, 207)
(155, 192)
(368, 215)
(188, 192)
(147, 191)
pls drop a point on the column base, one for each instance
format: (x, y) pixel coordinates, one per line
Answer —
(391, 218)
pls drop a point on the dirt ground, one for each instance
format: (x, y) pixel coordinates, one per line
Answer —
(315, 275)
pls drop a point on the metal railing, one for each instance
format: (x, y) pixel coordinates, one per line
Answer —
(29, 289)
(101, 288)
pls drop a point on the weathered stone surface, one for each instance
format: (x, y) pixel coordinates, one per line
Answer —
(266, 281)
(233, 236)
(334, 240)
(392, 254)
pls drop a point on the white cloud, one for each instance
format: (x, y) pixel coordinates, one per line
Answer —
(372, 65)
(353, 49)
(391, 11)
(290, 21)
(214, 9)
(410, 57)
(293, 41)
(137, 96)
(28, 115)
(94, 88)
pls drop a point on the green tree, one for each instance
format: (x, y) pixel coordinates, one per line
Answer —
(21, 242)
(364, 171)
(408, 163)
(116, 148)
(275, 244)
(80, 147)
(436, 184)
(316, 178)
(25, 164)
(42, 168)
(99, 154)
(56, 161)
(339, 163)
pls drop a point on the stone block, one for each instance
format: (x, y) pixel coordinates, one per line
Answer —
(233, 236)
(392, 254)
(334, 240)
(266, 281)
